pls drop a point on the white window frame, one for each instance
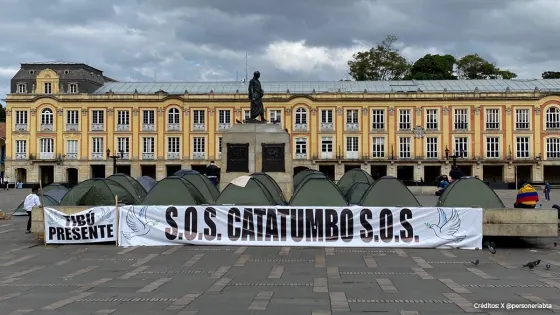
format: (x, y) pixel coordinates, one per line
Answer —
(432, 119)
(405, 119)
(275, 115)
(522, 119)
(246, 114)
(553, 148)
(493, 121)
(47, 117)
(72, 146)
(72, 117)
(46, 145)
(301, 146)
(352, 147)
(199, 145)
(149, 117)
(21, 117)
(47, 86)
(552, 118)
(432, 147)
(21, 146)
(73, 88)
(460, 119)
(461, 144)
(22, 88)
(327, 116)
(123, 143)
(523, 147)
(98, 117)
(224, 116)
(352, 116)
(174, 116)
(97, 145)
(492, 145)
(301, 116)
(378, 147)
(405, 147)
(377, 119)
(199, 116)
(123, 117)
(173, 144)
(326, 143)
(148, 145)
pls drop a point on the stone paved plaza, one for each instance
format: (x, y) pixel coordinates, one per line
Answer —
(188, 280)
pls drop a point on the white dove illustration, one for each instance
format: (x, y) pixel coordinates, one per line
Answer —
(446, 228)
(55, 218)
(104, 215)
(138, 223)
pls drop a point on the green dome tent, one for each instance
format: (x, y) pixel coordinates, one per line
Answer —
(174, 190)
(469, 192)
(133, 186)
(98, 192)
(245, 191)
(301, 176)
(54, 187)
(202, 183)
(48, 200)
(271, 186)
(356, 192)
(317, 190)
(388, 191)
(352, 176)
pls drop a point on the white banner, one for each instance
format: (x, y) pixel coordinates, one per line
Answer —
(93, 225)
(296, 226)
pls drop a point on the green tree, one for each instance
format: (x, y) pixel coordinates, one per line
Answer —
(474, 67)
(381, 63)
(551, 75)
(433, 67)
(2, 113)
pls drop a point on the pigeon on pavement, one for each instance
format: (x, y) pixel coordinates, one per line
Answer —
(537, 262)
(476, 262)
(530, 265)
(491, 247)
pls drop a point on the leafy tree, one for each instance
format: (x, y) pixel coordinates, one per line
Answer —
(474, 67)
(2, 113)
(551, 75)
(380, 63)
(433, 67)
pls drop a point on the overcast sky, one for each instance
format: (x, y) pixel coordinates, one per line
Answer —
(206, 40)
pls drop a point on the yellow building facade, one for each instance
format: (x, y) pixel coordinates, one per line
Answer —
(54, 135)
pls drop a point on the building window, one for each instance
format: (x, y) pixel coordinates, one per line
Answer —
(246, 115)
(326, 147)
(48, 88)
(521, 119)
(377, 119)
(404, 148)
(148, 146)
(22, 88)
(46, 148)
(404, 119)
(47, 117)
(21, 149)
(492, 147)
(148, 117)
(522, 147)
(301, 116)
(327, 123)
(97, 117)
(352, 117)
(173, 145)
(461, 146)
(220, 141)
(97, 145)
(432, 148)
(352, 145)
(492, 119)
(224, 119)
(173, 116)
(552, 148)
(198, 117)
(461, 119)
(301, 148)
(72, 117)
(432, 119)
(553, 118)
(123, 145)
(21, 117)
(72, 149)
(275, 116)
(123, 120)
(199, 145)
(378, 148)
(72, 88)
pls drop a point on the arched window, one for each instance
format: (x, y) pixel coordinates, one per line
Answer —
(301, 116)
(47, 117)
(553, 118)
(173, 116)
(552, 148)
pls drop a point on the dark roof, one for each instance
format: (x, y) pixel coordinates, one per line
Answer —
(59, 62)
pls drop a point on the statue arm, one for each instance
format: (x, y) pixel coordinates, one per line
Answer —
(251, 90)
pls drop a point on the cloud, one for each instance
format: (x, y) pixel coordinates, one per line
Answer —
(177, 40)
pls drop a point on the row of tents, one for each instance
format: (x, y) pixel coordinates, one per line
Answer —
(311, 188)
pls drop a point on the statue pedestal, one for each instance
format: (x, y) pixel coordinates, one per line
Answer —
(257, 147)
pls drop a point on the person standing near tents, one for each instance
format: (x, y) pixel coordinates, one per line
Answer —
(6, 182)
(527, 197)
(547, 191)
(212, 172)
(32, 200)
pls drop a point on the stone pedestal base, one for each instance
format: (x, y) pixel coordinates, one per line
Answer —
(257, 134)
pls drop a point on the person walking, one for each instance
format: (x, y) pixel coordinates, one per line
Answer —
(547, 191)
(32, 200)
(6, 182)
(212, 172)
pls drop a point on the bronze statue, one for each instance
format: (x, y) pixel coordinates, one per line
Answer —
(255, 95)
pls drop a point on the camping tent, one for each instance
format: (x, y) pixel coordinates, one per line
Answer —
(204, 185)
(181, 173)
(130, 184)
(174, 190)
(98, 192)
(317, 190)
(352, 176)
(272, 187)
(147, 182)
(54, 187)
(246, 191)
(356, 192)
(299, 177)
(388, 191)
(47, 200)
(56, 194)
(469, 192)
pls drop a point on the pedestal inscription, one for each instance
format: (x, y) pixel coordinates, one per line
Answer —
(237, 157)
(273, 157)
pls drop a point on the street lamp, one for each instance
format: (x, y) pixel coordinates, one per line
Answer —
(454, 156)
(115, 157)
